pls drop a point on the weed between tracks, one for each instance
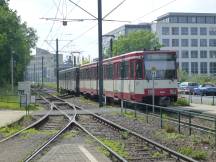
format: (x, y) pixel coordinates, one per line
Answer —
(70, 134)
(115, 145)
(29, 132)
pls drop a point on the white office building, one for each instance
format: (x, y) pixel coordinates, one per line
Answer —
(193, 36)
(34, 68)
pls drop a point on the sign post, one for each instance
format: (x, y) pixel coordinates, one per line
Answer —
(153, 71)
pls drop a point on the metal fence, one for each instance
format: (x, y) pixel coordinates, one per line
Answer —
(182, 118)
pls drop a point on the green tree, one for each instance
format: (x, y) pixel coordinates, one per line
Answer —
(16, 39)
(135, 41)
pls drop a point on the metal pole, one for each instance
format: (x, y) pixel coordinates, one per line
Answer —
(111, 47)
(42, 71)
(57, 66)
(100, 69)
(153, 95)
(12, 73)
(34, 73)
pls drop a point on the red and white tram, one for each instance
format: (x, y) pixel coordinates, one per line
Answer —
(129, 77)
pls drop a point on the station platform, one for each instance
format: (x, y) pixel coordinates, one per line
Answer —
(73, 153)
(9, 116)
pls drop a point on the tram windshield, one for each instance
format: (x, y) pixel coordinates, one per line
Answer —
(163, 64)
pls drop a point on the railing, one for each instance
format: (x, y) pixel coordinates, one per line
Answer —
(183, 118)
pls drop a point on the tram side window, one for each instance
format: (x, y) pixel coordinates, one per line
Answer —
(124, 70)
(132, 70)
(110, 73)
(138, 70)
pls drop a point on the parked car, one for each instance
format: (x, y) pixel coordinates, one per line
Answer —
(188, 87)
(205, 89)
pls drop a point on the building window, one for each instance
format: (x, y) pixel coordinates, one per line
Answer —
(185, 66)
(209, 20)
(175, 31)
(165, 30)
(191, 19)
(194, 54)
(203, 54)
(203, 67)
(184, 31)
(212, 31)
(212, 54)
(203, 42)
(201, 19)
(177, 54)
(212, 67)
(194, 31)
(182, 19)
(165, 42)
(175, 42)
(194, 67)
(194, 42)
(203, 31)
(173, 19)
(184, 42)
(212, 42)
(185, 54)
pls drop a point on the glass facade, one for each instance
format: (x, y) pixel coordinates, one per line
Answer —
(194, 42)
(185, 54)
(212, 42)
(165, 30)
(203, 54)
(175, 31)
(203, 67)
(184, 31)
(194, 67)
(184, 42)
(194, 31)
(212, 54)
(203, 42)
(203, 31)
(165, 42)
(212, 67)
(194, 54)
(175, 42)
(212, 31)
(185, 66)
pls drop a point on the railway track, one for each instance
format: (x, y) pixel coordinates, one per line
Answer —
(139, 147)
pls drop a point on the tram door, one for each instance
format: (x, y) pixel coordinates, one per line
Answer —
(131, 80)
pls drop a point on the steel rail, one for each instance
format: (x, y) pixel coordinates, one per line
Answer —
(120, 158)
(44, 145)
(176, 155)
(30, 126)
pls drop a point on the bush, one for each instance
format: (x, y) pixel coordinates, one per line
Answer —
(182, 102)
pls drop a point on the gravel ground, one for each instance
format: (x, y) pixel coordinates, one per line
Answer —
(65, 148)
(18, 148)
(201, 142)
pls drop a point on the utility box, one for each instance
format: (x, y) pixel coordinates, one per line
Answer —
(24, 90)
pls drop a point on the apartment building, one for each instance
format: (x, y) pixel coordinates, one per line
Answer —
(193, 36)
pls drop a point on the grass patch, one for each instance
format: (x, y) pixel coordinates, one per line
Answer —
(169, 136)
(32, 131)
(10, 106)
(70, 134)
(131, 115)
(116, 146)
(181, 102)
(50, 85)
(7, 131)
(158, 155)
(194, 153)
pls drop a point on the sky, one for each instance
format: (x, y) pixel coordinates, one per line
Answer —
(82, 36)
